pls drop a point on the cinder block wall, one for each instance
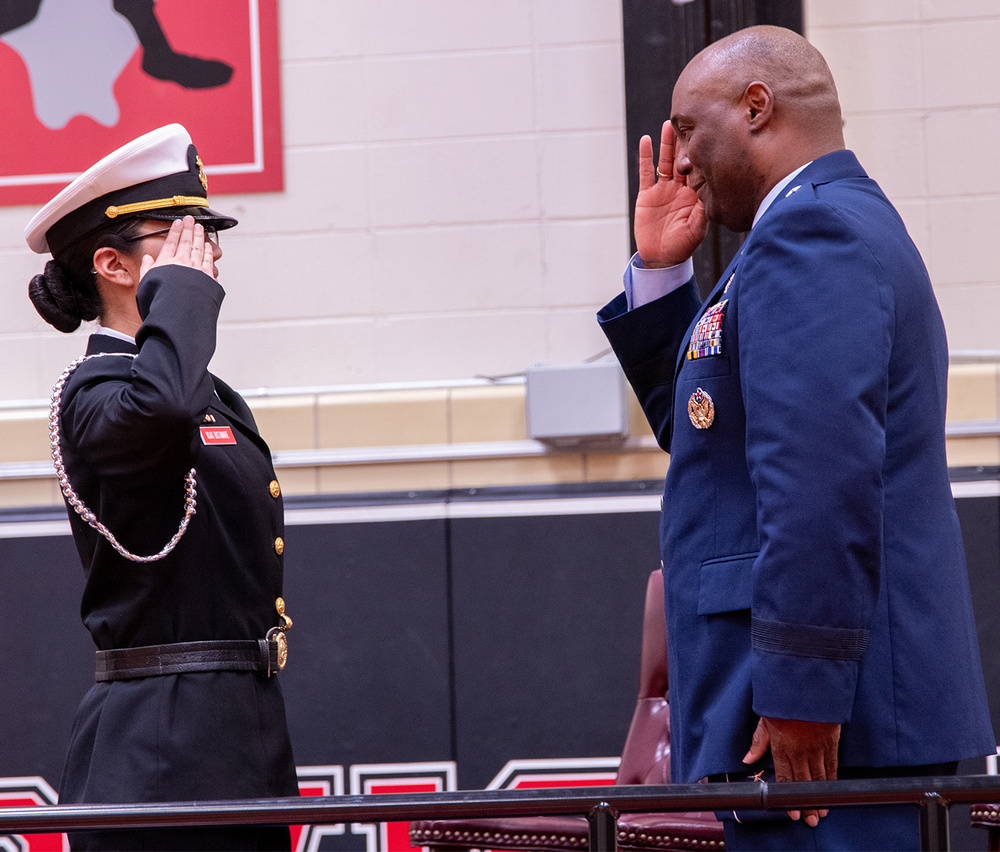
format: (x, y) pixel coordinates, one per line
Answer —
(455, 206)
(455, 201)
(427, 438)
(391, 440)
(920, 84)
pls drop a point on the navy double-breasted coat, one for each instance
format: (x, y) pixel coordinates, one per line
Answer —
(813, 560)
(131, 429)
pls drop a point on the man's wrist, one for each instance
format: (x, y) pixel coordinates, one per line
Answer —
(647, 284)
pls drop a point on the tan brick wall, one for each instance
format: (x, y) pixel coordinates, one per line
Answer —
(919, 81)
(402, 439)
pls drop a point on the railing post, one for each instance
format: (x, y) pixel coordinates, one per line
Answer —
(935, 834)
(603, 828)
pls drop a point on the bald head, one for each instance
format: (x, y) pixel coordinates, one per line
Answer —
(749, 110)
(790, 66)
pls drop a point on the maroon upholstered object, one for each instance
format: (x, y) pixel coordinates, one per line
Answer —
(985, 816)
(645, 760)
(988, 817)
(522, 833)
(671, 831)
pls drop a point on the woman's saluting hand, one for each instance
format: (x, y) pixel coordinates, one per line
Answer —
(185, 245)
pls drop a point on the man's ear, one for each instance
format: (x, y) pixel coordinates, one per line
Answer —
(108, 264)
(759, 101)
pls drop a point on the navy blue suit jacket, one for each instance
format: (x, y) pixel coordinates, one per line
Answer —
(813, 560)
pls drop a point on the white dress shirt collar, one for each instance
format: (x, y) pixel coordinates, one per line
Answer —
(110, 332)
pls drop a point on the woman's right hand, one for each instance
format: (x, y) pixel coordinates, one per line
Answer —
(670, 221)
(185, 245)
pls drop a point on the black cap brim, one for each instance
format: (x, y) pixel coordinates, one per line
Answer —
(205, 215)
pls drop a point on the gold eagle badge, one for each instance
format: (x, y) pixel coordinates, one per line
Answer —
(701, 409)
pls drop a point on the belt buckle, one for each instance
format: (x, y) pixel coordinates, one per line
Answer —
(276, 636)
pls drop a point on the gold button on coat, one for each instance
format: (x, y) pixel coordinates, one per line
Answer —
(275, 489)
(279, 545)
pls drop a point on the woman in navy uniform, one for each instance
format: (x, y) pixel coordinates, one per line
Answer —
(173, 503)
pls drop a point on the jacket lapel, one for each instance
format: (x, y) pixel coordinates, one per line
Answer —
(713, 297)
(235, 408)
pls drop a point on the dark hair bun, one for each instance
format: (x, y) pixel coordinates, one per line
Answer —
(59, 301)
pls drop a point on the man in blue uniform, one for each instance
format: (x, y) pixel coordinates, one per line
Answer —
(819, 616)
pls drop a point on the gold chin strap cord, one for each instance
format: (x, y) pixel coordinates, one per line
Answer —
(116, 210)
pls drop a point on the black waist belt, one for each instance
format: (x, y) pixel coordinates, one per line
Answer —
(250, 655)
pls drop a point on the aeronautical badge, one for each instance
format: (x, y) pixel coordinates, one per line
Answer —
(701, 409)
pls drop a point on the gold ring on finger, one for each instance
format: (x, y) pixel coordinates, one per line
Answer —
(660, 174)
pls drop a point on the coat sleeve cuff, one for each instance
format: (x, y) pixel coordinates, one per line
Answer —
(804, 672)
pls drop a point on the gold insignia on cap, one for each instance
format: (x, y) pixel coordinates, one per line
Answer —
(201, 172)
(701, 409)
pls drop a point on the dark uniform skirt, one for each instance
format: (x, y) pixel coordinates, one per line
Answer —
(199, 736)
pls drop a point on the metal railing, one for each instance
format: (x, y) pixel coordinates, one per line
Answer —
(602, 805)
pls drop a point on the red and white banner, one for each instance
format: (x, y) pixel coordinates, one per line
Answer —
(24, 793)
(82, 77)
